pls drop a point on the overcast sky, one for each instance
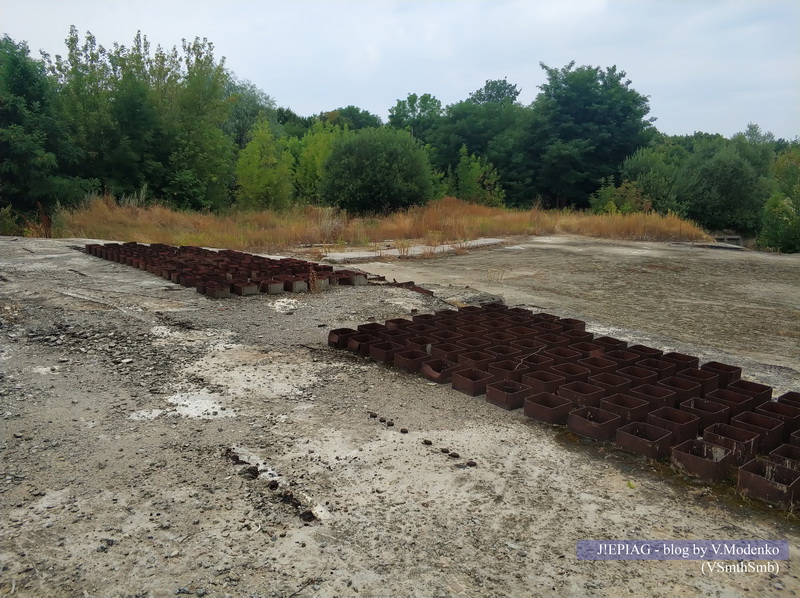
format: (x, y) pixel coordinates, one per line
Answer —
(707, 65)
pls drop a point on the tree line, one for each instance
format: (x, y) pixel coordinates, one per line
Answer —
(178, 126)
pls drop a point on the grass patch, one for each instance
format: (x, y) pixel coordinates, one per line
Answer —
(447, 220)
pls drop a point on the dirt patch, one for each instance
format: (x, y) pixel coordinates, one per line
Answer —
(157, 443)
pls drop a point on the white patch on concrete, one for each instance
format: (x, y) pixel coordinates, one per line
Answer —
(45, 371)
(146, 414)
(199, 405)
(285, 305)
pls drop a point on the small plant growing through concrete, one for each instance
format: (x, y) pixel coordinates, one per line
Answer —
(313, 284)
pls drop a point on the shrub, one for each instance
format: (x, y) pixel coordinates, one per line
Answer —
(377, 171)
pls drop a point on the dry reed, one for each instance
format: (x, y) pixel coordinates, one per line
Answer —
(447, 220)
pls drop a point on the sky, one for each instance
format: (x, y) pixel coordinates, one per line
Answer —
(706, 65)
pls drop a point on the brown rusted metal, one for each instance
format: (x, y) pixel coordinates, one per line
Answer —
(471, 381)
(421, 343)
(471, 331)
(548, 408)
(397, 323)
(769, 429)
(664, 369)
(338, 337)
(421, 327)
(372, 328)
(500, 338)
(503, 351)
(582, 394)
(630, 409)
(709, 412)
(610, 383)
(623, 358)
(439, 370)
(727, 373)
(708, 381)
(446, 336)
(638, 376)
(761, 393)
(742, 443)
(683, 389)
(682, 425)
(448, 351)
(769, 482)
(790, 398)
(598, 365)
(543, 381)
(509, 369)
(384, 351)
(577, 336)
(507, 394)
(547, 328)
(587, 349)
(562, 355)
(473, 343)
(571, 324)
(644, 439)
(394, 335)
(787, 455)
(553, 340)
(410, 359)
(523, 332)
(360, 342)
(593, 422)
(736, 402)
(789, 415)
(646, 352)
(701, 459)
(543, 317)
(609, 343)
(572, 372)
(476, 360)
(538, 361)
(682, 360)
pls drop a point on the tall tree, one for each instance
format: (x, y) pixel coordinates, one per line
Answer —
(495, 90)
(353, 118)
(202, 161)
(248, 105)
(264, 171)
(586, 121)
(311, 155)
(35, 148)
(416, 114)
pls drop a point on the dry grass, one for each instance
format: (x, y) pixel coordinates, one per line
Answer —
(448, 220)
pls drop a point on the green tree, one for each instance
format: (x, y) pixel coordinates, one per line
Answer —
(781, 216)
(495, 91)
(248, 105)
(35, 148)
(377, 171)
(476, 180)
(729, 193)
(661, 171)
(202, 162)
(625, 199)
(586, 121)
(353, 118)
(264, 171)
(291, 124)
(473, 124)
(416, 114)
(311, 155)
